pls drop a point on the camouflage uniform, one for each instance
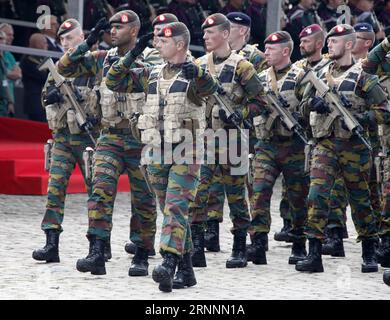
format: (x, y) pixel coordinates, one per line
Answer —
(244, 77)
(325, 164)
(238, 79)
(278, 151)
(173, 109)
(174, 184)
(117, 151)
(378, 63)
(69, 143)
(216, 199)
(67, 150)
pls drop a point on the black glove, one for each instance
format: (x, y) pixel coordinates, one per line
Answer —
(93, 36)
(319, 105)
(54, 96)
(190, 70)
(364, 118)
(235, 118)
(141, 44)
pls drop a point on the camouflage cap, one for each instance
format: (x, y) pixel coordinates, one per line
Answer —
(173, 29)
(213, 20)
(278, 37)
(164, 18)
(310, 30)
(124, 17)
(67, 26)
(340, 30)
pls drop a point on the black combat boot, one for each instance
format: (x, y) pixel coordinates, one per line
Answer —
(185, 276)
(107, 249)
(238, 256)
(139, 264)
(211, 238)
(130, 248)
(386, 277)
(298, 251)
(383, 252)
(334, 246)
(313, 262)
(283, 234)
(368, 254)
(163, 273)
(49, 252)
(198, 257)
(257, 253)
(250, 248)
(94, 262)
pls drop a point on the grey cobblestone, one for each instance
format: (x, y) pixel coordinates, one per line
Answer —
(23, 278)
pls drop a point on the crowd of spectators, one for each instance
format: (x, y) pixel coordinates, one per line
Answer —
(296, 14)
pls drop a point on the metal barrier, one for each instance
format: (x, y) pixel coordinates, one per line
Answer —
(31, 51)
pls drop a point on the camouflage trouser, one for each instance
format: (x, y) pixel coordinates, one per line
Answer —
(338, 205)
(66, 152)
(375, 194)
(385, 216)
(115, 154)
(235, 192)
(216, 198)
(175, 186)
(272, 158)
(330, 159)
(284, 207)
(338, 201)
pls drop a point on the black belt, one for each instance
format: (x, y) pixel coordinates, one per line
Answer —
(116, 130)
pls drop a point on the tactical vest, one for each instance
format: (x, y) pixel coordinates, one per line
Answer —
(346, 84)
(225, 73)
(88, 100)
(168, 110)
(117, 106)
(285, 87)
(303, 63)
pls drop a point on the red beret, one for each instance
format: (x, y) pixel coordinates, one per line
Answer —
(278, 37)
(310, 30)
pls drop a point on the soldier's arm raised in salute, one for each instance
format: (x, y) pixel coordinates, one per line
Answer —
(246, 76)
(121, 78)
(79, 61)
(376, 61)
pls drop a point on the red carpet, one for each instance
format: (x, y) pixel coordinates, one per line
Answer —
(22, 160)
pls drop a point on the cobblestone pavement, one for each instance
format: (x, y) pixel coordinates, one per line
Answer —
(23, 278)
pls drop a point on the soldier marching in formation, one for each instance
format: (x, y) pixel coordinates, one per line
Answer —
(148, 108)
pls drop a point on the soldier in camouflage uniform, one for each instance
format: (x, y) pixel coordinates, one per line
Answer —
(312, 40)
(339, 151)
(173, 109)
(151, 56)
(238, 79)
(278, 150)
(378, 62)
(117, 149)
(240, 25)
(69, 144)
